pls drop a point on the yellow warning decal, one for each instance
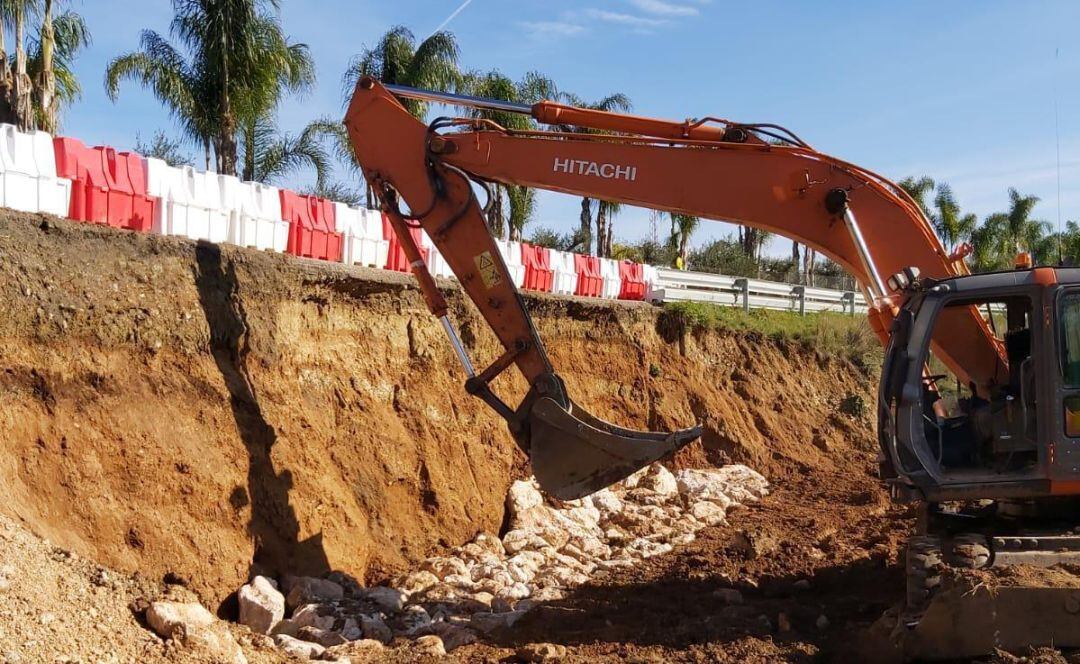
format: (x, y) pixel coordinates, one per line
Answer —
(489, 272)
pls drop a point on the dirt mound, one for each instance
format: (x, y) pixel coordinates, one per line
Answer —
(211, 412)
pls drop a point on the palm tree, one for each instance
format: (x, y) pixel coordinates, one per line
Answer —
(1003, 234)
(269, 155)
(18, 87)
(682, 227)
(520, 201)
(398, 60)
(614, 103)
(919, 189)
(951, 226)
(238, 67)
(605, 223)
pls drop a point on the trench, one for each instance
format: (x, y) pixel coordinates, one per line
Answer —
(208, 413)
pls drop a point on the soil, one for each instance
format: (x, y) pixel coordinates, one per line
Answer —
(197, 414)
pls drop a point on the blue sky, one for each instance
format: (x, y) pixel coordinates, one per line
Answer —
(962, 91)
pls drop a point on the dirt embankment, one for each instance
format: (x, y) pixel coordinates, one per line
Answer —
(207, 411)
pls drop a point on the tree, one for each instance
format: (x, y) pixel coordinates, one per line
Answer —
(520, 202)
(919, 189)
(18, 89)
(238, 66)
(396, 59)
(614, 103)
(546, 237)
(605, 224)
(682, 227)
(164, 148)
(268, 154)
(951, 226)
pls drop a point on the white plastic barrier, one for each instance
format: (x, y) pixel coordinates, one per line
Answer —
(192, 202)
(261, 224)
(28, 179)
(511, 253)
(652, 282)
(565, 279)
(436, 264)
(364, 242)
(612, 283)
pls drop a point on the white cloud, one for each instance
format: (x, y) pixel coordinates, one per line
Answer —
(552, 28)
(625, 19)
(661, 8)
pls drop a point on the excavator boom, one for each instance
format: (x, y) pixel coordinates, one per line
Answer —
(708, 168)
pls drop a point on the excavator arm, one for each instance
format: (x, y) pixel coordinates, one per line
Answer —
(424, 176)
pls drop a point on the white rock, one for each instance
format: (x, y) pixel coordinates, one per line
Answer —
(311, 615)
(195, 627)
(443, 567)
(364, 650)
(606, 502)
(429, 646)
(294, 647)
(389, 599)
(523, 495)
(261, 605)
(324, 637)
(490, 542)
(418, 582)
(174, 619)
(709, 513)
(523, 540)
(659, 480)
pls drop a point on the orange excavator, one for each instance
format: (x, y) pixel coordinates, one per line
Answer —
(979, 399)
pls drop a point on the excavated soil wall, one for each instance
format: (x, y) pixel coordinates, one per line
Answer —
(206, 412)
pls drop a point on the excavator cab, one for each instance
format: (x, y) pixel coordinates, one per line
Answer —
(1014, 433)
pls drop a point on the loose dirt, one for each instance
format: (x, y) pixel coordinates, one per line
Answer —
(200, 414)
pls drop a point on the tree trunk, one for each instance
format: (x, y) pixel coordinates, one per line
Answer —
(795, 260)
(585, 227)
(24, 110)
(227, 138)
(601, 228)
(809, 258)
(7, 98)
(49, 106)
(609, 237)
(206, 152)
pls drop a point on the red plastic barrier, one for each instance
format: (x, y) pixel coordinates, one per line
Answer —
(107, 187)
(396, 259)
(312, 226)
(632, 280)
(539, 276)
(589, 281)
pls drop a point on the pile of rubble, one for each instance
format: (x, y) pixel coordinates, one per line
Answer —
(488, 584)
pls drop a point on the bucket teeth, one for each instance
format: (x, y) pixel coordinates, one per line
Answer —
(574, 454)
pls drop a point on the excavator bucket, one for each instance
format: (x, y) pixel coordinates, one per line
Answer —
(574, 454)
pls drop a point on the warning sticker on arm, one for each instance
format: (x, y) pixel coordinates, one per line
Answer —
(489, 270)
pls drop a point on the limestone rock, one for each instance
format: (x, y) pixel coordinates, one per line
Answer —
(709, 513)
(308, 590)
(294, 647)
(173, 619)
(388, 599)
(541, 652)
(418, 582)
(363, 650)
(309, 615)
(430, 646)
(523, 495)
(324, 637)
(660, 480)
(261, 605)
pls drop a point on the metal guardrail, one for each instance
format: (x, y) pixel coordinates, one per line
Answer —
(680, 286)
